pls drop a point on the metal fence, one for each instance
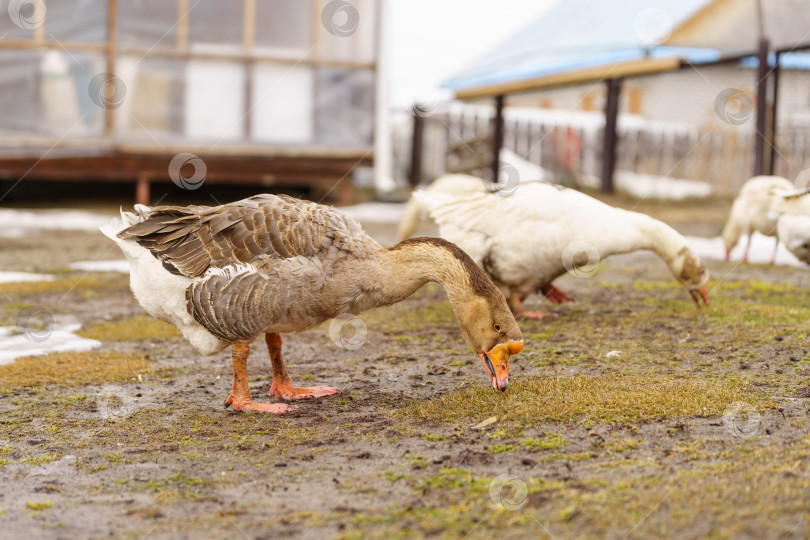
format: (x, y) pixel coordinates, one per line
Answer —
(696, 126)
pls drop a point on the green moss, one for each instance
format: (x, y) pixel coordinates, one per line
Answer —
(137, 328)
(554, 441)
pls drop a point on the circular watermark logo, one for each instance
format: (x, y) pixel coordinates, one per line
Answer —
(741, 419)
(424, 110)
(348, 331)
(653, 26)
(733, 106)
(196, 179)
(100, 94)
(27, 14)
(114, 403)
(340, 18)
(507, 182)
(508, 491)
(35, 323)
(581, 259)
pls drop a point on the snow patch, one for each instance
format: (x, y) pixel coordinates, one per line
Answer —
(375, 212)
(121, 266)
(18, 223)
(14, 343)
(760, 253)
(660, 187)
(17, 277)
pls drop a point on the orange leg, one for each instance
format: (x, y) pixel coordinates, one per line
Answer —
(516, 304)
(554, 294)
(240, 393)
(775, 250)
(282, 384)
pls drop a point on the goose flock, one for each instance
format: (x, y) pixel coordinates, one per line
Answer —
(271, 265)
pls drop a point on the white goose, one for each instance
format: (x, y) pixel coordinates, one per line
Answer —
(754, 209)
(515, 170)
(793, 224)
(527, 240)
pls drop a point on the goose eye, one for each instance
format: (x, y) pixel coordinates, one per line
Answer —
(497, 327)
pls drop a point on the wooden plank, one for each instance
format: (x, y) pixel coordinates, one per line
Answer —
(112, 43)
(626, 69)
(182, 25)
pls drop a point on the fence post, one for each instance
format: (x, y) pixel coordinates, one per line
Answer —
(416, 147)
(762, 108)
(774, 110)
(497, 138)
(614, 87)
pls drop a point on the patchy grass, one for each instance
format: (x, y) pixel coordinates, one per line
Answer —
(137, 328)
(589, 400)
(72, 368)
(90, 285)
(555, 441)
(648, 502)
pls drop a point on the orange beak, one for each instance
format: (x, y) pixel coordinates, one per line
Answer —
(496, 363)
(701, 293)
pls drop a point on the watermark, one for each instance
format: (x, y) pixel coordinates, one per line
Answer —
(581, 259)
(27, 14)
(653, 27)
(733, 106)
(802, 179)
(114, 403)
(100, 93)
(507, 182)
(348, 331)
(35, 323)
(196, 179)
(340, 18)
(741, 419)
(424, 110)
(508, 491)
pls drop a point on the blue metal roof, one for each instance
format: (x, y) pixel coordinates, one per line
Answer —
(578, 34)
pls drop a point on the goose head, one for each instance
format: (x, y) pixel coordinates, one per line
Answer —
(490, 330)
(692, 273)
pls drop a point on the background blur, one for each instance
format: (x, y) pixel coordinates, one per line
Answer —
(338, 100)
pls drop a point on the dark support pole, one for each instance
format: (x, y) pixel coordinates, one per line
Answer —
(614, 87)
(762, 107)
(416, 147)
(497, 138)
(774, 109)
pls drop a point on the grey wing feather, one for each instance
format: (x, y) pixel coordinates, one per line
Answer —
(239, 302)
(190, 240)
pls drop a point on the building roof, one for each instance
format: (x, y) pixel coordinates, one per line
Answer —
(578, 34)
(581, 40)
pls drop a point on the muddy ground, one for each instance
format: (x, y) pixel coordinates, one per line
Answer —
(631, 414)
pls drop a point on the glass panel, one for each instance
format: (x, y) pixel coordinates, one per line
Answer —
(148, 23)
(284, 28)
(72, 20)
(48, 93)
(215, 100)
(347, 32)
(19, 92)
(214, 21)
(282, 104)
(345, 107)
(153, 106)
